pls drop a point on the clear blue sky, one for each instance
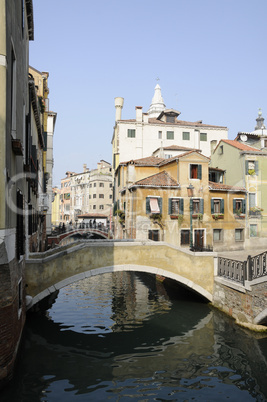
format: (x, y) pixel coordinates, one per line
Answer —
(210, 56)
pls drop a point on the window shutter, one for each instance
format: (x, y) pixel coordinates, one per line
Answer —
(243, 206)
(201, 202)
(147, 205)
(199, 172)
(212, 206)
(170, 206)
(256, 167)
(181, 204)
(160, 204)
(246, 166)
(234, 206)
(222, 206)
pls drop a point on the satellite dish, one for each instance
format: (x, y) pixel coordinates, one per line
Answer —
(243, 137)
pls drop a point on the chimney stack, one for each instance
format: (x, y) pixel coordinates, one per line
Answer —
(139, 113)
(118, 105)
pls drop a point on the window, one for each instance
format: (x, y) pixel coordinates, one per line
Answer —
(170, 119)
(217, 206)
(197, 205)
(89, 196)
(94, 195)
(153, 235)
(153, 205)
(186, 136)
(239, 206)
(217, 235)
(160, 135)
(101, 195)
(239, 234)
(168, 156)
(252, 200)
(176, 206)
(94, 206)
(185, 237)
(101, 184)
(110, 196)
(90, 185)
(131, 133)
(195, 171)
(101, 206)
(251, 168)
(110, 185)
(253, 230)
(170, 135)
(221, 150)
(203, 136)
(94, 184)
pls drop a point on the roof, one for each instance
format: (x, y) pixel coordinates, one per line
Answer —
(216, 169)
(239, 145)
(162, 179)
(225, 187)
(148, 161)
(155, 161)
(198, 123)
(177, 148)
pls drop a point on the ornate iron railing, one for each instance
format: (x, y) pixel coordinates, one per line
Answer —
(240, 271)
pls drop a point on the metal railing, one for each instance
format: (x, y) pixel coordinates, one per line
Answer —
(196, 247)
(240, 271)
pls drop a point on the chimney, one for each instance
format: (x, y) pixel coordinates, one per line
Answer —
(118, 105)
(139, 113)
(84, 167)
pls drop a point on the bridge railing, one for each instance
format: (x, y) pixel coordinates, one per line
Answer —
(241, 271)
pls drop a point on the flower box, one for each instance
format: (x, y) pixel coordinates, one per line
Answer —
(217, 216)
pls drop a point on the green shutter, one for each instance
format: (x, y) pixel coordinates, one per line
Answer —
(201, 201)
(160, 204)
(234, 206)
(243, 206)
(222, 206)
(256, 164)
(181, 204)
(199, 172)
(212, 206)
(246, 166)
(147, 205)
(170, 206)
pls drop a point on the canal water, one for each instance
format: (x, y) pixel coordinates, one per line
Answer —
(129, 337)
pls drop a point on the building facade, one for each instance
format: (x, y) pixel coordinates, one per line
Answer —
(173, 200)
(159, 128)
(246, 166)
(16, 30)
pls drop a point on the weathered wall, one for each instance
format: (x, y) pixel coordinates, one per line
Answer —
(246, 304)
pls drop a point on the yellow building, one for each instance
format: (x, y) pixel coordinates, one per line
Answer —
(173, 200)
(55, 206)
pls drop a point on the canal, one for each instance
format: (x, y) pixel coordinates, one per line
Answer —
(126, 336)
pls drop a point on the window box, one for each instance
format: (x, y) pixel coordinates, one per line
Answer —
(240, 216)
(217, 216)
(198, 216)
(179, 217)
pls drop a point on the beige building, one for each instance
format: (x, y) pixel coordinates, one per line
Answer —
(88, 192)
(173, 200)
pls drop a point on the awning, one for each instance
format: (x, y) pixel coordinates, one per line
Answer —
(154, 206)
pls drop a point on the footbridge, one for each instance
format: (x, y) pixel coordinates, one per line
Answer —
(221, 281)
(49, 271)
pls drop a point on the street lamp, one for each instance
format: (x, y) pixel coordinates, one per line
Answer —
(190, 192)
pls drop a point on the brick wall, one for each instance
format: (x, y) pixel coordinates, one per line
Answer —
(11, 322)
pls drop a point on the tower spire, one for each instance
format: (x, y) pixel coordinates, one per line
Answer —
(157, 104)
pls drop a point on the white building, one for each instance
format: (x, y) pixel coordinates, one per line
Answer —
(160, 127)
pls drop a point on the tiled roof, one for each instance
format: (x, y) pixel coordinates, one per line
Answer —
(166, 161)
(148, 161)
(162, 179)
(224, 187)
(179, 148)
(239, 145)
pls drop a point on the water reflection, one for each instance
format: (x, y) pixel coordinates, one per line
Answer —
(118, 336)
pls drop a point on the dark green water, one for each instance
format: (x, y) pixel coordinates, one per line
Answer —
(123, 337)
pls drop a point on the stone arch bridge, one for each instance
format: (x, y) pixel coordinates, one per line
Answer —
(54, 269)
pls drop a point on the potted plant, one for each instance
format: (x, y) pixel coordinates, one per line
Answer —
(256, 211)
(121, 215)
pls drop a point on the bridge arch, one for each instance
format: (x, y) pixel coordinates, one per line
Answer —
(117, 268)
(261, 319)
